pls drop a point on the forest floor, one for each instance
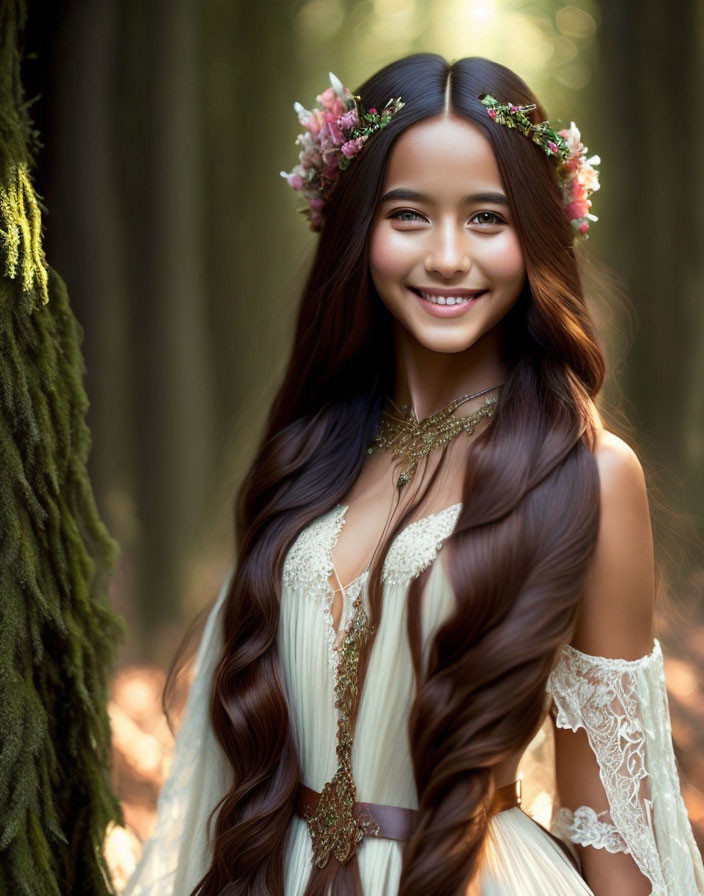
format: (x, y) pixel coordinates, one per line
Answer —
(142, 741)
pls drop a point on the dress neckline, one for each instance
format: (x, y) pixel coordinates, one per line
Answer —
(342, 509)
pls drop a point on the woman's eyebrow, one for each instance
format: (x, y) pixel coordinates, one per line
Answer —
(405, 193)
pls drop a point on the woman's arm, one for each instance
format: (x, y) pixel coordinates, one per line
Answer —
(616, 618)
(616, 775)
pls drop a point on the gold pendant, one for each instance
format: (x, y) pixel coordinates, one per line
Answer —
(334, 827)
(410, 439)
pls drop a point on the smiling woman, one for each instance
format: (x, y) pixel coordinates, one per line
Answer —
(436, 446)
(455, 248)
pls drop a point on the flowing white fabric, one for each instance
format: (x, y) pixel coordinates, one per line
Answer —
(622, 706)
(177, 854)
(520, 859)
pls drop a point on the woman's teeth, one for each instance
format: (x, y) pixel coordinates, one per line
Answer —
(448, 300)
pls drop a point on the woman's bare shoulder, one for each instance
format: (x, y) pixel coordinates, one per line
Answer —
(610, 450)
(617, 604)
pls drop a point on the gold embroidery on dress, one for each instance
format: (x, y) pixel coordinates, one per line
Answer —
(334, 826)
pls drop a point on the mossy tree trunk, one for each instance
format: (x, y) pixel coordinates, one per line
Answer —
(58, 635)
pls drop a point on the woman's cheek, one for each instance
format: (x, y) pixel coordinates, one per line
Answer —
(509, 260)
(391, 251)
(383, 256)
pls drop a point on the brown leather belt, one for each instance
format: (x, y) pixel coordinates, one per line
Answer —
(396, 822)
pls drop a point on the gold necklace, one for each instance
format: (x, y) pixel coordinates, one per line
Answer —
(409, 438)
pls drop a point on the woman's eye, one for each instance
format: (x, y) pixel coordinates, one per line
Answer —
(405, 211)
(496, 218)
(483, 218)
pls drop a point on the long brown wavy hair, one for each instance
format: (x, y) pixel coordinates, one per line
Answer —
(519, 553)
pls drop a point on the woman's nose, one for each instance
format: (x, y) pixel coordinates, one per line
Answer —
(449, 255)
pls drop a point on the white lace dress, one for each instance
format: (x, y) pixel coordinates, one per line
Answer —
(621, 705)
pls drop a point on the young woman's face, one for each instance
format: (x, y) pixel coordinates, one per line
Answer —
(443, 227)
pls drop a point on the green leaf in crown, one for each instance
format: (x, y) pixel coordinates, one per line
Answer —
(513, 116)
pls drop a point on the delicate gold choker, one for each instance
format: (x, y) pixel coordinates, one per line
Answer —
(409, 438)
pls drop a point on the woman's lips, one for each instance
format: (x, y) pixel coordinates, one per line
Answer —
(446, 310)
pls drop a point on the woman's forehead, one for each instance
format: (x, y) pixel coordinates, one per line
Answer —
(443, 154)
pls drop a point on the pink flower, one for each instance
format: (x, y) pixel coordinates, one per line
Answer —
(327, 98)
(573, 138)
(552, 146)
(372, 111)
(334, 131)
(352, 147)
(294, 179)
(349, 119)
(313, 121)
(578, 191)
(492, 113)
(577, 209)
(331, 102)
(583, 227)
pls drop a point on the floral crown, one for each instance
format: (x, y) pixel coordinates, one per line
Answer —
(337, 131)
(575, 172)
(335, 134)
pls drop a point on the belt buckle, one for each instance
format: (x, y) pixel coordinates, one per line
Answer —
(338, 823)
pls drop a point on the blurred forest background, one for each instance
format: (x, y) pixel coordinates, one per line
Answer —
(165, 126)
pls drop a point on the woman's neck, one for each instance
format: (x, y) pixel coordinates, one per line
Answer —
(429, 380)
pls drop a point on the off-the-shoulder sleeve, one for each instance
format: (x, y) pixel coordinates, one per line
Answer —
(177, 854)
(623, 708)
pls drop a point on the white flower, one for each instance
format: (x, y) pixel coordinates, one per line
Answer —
(337, 86)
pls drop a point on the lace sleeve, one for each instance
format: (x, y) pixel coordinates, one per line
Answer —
(622, 706)
(176, 855)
